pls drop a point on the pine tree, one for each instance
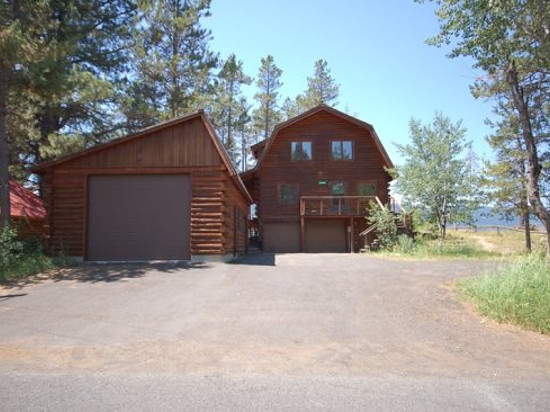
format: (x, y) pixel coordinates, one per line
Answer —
(172, 62)
(22, 50)
(268, 114)
(245, 130)
(289, 108)
(229, 104)
(322, 88)
(507, 174)
(64, 69)
(75, 94)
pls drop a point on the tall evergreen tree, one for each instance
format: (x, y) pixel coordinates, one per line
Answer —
(23, 56)
(172, 62)
(289, 108)
(246, 132)
(321, 88)
(229, 104)
(59, 94)
(76, 93)
(268, 114)
(506, 176)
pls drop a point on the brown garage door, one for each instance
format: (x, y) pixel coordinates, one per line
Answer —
(138, 217)
(326, 236)
(281, 237)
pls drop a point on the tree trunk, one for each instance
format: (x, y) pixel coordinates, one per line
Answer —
(5, 206)
(442, 229)
(266, 123)
(533, 162)
(527, 227)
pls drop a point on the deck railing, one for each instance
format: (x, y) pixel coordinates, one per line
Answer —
(317, 206)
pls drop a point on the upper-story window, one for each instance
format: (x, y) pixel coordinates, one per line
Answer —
(342, 150)
(301, 150)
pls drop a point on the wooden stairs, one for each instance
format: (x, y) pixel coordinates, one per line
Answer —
(403, 221)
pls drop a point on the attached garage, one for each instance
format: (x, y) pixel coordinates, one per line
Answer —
(281, 237)
(326, 235)
(139, 217)
(168, 192)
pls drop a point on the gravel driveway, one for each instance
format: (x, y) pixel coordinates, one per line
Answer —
(294, 315)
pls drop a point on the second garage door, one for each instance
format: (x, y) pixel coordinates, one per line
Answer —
(138, 217)
(326, 236)
(281, 237)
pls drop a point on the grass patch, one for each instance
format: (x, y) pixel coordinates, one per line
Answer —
(504, 242)
(466, 245)
(518, 293)
(455, 246)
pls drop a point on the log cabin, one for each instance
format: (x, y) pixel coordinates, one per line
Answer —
(314, 179)
(168, 192)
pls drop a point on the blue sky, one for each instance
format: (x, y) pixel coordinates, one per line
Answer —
(376, 51)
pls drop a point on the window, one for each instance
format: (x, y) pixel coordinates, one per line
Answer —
(342, 150)
(301, 150)
(366, 189)
(288, 193)
(338, 189)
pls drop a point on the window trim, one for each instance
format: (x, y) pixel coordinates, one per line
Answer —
(342, 159)
(301, 159)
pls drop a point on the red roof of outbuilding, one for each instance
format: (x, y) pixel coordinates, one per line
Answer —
(24, 203)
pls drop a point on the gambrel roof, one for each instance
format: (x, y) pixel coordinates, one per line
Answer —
(266, 144)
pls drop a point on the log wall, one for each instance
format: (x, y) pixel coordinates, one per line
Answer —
(185, 148)
(321, 129)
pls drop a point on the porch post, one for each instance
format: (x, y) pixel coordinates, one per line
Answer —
(351, 234)
(302, 226)
(302, 235)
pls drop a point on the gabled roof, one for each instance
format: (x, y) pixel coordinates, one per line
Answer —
(322, 107)
(24, 203)
(104, 146)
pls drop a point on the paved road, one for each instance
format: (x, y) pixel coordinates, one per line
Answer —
(285, 332)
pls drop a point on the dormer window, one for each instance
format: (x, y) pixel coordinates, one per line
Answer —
(300, 150)
(342, 150)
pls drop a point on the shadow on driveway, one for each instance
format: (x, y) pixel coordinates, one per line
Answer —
(94, 273)
(256, 259)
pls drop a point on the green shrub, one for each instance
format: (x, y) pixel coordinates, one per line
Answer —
(405, 244)
(386, 228)
(11, 249)
(20, 258)
(519, 293)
